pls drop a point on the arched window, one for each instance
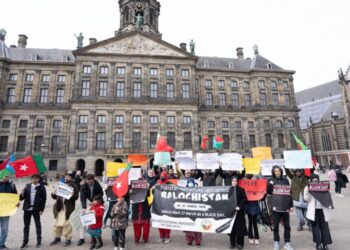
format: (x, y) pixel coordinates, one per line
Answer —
(126, 14)
(326, 141)
(99, 167)
(280, 140)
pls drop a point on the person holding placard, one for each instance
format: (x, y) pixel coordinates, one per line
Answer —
(119, 215)
(62, 209)
(95, 230)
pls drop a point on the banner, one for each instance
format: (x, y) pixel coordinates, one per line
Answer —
(320, 191)
(110, 194)
(264, 153)
(255, 189)
(138, 160)
(187, 154)
(186, 163)
(252, 165)
(319, 186)
(161, 158)
(208, 161)
(134, 173)
(281, 198)
(206, 209)
(139, 191)
(64, 191)
(88, 219)
(113, 167)
(8, 204)
(297, 159)
(231, 162)
(266, 166)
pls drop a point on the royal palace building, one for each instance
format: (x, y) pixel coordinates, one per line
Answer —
(109, 99)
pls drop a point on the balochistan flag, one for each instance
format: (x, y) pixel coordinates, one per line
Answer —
(39, 162)
(121, 185)
(5, 168)
(25, 167)
(204, 143)
(162, 145)
(4, 164)
(218, 142)
(300, 144)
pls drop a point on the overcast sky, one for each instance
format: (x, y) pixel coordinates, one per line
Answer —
(309, 36)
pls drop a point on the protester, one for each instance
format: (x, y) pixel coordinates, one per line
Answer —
(43, 179)
(119, 215)
(151, 177)
(239, 229)
(299, 182)
(277, 214)
(95, 230)
(339, 182)
(78, 179)
(62, 209)
(87, 191)
(209, 178)
(319, 215)
(111, 198)
(171, 174)
(34, 197)
(6, 186)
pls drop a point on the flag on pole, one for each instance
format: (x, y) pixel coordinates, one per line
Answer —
(4, 164)
(5, 168)
(25, 167)
(300, 144)
(204, 143)
(218, 142)
(121, 185)
(40, 164)
(162, 145)
(8, 166)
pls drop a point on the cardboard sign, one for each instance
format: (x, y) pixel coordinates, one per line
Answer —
(298, 159)
(134, 173)
(64, 191)
(231, 162)
(255, 189)
(88, 219)
(162, 158)
(8, 204)
(266, 166)
(281, 198)
(113, 167)
(208, 161)
(186, 163)
(187, 154)
(139, 191)
(319, 186)
(264, 153)
(252, 165)
(138, 160)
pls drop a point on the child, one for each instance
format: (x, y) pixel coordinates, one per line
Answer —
(95, 230)
(119, 216)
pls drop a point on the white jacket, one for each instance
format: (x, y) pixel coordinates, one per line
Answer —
(311, 207)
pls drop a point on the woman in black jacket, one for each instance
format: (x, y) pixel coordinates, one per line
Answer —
(141, 216)
(239, 229)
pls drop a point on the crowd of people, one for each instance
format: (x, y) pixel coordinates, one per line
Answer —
(114, 212)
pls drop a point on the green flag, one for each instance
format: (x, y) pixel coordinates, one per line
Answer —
(39, 162)
(300, 144)
(4, 173)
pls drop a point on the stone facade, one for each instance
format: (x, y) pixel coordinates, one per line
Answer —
(109, 99)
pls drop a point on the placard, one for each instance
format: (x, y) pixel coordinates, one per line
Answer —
(138, 160)
(187, 154)
(267, 165)
(8, 204)
(64, 191)
(297, 159)
(319, 186)
(208, 161)
(88, 219)
(139, 191)
(161, 158)
(186, 163)
(264, 153)
(281, 198)
(231, 162)
(254, 189)
(252, 165)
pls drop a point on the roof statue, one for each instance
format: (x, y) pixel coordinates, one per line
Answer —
(139, 21)
(80, 39)
(192, 46)
(256, 49)
(2, 34)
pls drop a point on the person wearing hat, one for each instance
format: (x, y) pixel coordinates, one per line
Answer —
(299, 182)
(34, 197)
(62, 209)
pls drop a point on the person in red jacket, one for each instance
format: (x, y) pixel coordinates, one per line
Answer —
(95, 230)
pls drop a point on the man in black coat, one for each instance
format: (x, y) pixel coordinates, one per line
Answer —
(87, 192)
(34, 197)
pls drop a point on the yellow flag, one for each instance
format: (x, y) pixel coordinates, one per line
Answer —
(8, 204)
(113, 168)
(252, 165)
(264, 153)
(150, 197)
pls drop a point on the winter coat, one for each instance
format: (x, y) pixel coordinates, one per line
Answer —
(99, 210)
(69, 204)
(119, 215)
(298, 184)
(240, 224)
(311, 207)
(39, 200)
(8, 187)
(85, 193)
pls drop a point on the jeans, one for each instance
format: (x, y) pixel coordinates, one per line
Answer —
(253, 231)
(118, 237)
(301, 216)
(4, 228)
(277, 216)
(27, 218)
(338, 187)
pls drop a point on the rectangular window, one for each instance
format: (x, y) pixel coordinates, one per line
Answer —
(61, 78)
(154, 90)
(211, 124)
(120, 89)
(137, 89)
(275, 100)
(13, 77)
(222, 99)
(103, 90)
(83, 119)
(290, 124)
(169, 72)
(208, 83)
(153, 119)
(38, 141)
(171, 139)
(21, 144)
(248, 100)
(266, 124)
(137, 71)
(226, 139)
(100, 140)
(45, 78)
(119, 119)
(250, 125)
(6, 123)
(55, 144)
(44, 95)
(29, 77)
(3, 143)
(224, 124)
(60, 96)
(280, 140)
(209, 99)
(118, 140)
(136, 140)
(185, 73)
(234, 84)
(57, 124)
(285, 85)
(239, 141)
(187, 119)
(170, 119)
(86, 88)
(187, 140)
(268, 140)
(246, 85)
(170, 90)
(40, 123)
(221, 84)
(238, 124)
(53, 165)
(11, 95)
(87, 69)
(263, 99)
(27, 97)
(252, 141)
(104, 70)
(153, 72)
(153, 139)
(101, 119)
(185, 91)
(82, 140)
(286, 100)
(261, 84)
(274, 84)
(120, 70)
(235, 100)
(23, 123)
(136, 119)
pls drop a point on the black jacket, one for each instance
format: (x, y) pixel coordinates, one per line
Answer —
(85, 193)
(146, 211)
(8, 187)
(39, 200)
(240, 226)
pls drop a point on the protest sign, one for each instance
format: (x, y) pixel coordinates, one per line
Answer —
(320, 191)
(8, 204)
(64, 191)
(281, 198)
(207, 161)
(162, 158)
(231, 162)
(139, 191)
(186, 163)
(297, 159)
(138, 160)
(134, 173)
(264, 153)
(113, 167)
(255, 189)
(88, 219)
(110, 194)
(266, 166)
(205, 209)
(252, 165)
(187, 154)
(319, 186)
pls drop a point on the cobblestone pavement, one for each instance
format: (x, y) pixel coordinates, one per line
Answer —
(340, 228)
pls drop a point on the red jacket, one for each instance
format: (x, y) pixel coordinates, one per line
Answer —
(99, 212)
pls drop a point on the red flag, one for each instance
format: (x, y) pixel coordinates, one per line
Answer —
(162, 145)
(4, 164)
(219, 139)
(121, 185)
(24, 167)
(204, 142)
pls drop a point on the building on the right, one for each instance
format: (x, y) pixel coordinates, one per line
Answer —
(324, 121)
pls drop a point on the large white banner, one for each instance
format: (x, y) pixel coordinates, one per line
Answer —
(231, 162)
(266, 166)
(297, 159)
(208, 161)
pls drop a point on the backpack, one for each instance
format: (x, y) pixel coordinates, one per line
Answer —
(332, 176)
(264, 218)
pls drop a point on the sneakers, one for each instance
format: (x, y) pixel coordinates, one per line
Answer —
(341, 196)
(166, 241)
(300, 228)
(276, 245)
(161, 240)
(251, 241)
(256, 242)
(287, 246)
(67, 243)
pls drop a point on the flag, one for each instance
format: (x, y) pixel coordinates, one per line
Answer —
(113, 168)
(24, 167)
(4, 173)
(204, 143)
(162, 145)
(5, 168)
(39, 162)
(121, 185)
(8, 166)
(300, 144)
(4, 164)
(218, 142)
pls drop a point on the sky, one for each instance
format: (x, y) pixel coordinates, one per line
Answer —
(309, 36)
